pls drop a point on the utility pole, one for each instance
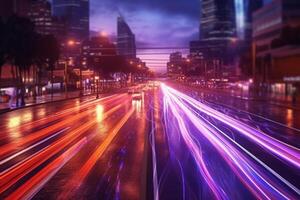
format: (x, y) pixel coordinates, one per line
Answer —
(66, 79)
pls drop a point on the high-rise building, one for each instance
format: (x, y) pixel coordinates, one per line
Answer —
(11, 7)
(175, 66)
(94, 50)
(217, 19)
(126, 40)
(76, 16)
(277, 49)
(40, 14)
(244, 17)
(218, 32)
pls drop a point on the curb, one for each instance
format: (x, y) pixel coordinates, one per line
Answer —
(259, 100)
(6, 110)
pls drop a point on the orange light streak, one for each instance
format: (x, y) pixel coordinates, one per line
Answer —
(20, 170)
(86, 168)
(28, 189)
(44, 132)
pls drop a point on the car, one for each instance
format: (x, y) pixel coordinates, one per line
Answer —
(137, 95)
(130, 91)
(4, 98)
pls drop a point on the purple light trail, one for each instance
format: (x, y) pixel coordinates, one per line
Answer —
(262, 181)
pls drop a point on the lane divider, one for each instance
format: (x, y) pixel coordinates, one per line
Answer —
(77, 181)
(44, 132)
(31, 187)
(18, 171)
(32, 146)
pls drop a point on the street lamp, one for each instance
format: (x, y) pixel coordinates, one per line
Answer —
(66, 79)
(71, 43)
(103, 34)
(233, 40)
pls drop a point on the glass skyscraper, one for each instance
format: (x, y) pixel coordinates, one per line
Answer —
(250, 7)
(126, 40)
(76, 15)
(217, 19)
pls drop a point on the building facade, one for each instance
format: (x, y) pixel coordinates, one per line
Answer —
(94, 50)
(11, 7)
(277, 46)
(217, 36)
(249, 7)
(175, 66)
(125, 40)
(217, 19)
(76, 16)
(40, 14)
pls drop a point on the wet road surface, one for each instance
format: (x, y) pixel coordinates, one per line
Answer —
(166, 145)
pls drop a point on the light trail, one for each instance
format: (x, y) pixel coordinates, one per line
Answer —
(35, 136)
(16, 172)
(32, 146)
(61, 114)
(154, 158)
(196, 152)
(289, 153)
(262, 185)
(81, 175)
(34, 184)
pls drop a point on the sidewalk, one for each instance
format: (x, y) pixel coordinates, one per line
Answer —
(5, 107)
(274, 99)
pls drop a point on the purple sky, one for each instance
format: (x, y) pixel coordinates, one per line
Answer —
(154, 22)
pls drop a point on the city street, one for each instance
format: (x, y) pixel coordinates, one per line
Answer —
(150, 100)
(73, 148)
(163, 145)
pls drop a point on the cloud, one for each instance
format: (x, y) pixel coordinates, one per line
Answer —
(154, 22)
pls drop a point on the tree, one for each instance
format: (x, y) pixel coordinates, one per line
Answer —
(47, 55)
(21, 40)
(2, 45)
(53, 56)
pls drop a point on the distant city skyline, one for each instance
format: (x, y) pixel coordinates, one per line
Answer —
(154, 23)
(76, 14)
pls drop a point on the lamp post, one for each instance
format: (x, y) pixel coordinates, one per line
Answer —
(71, 44)
(80, 72)
(66, 79)
(97, 84)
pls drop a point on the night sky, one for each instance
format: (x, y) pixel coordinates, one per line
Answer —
(154, 22)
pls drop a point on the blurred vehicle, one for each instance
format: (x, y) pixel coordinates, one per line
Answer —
(130, 91)
(156, 84)
(4, 98)
(146, 88)
(137, 95)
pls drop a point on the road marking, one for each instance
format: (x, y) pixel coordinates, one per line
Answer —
(32, 146)
(256, 115)
(41, 133)
(154, 159)
(29, 189)
(18, 171)
(90, 163)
